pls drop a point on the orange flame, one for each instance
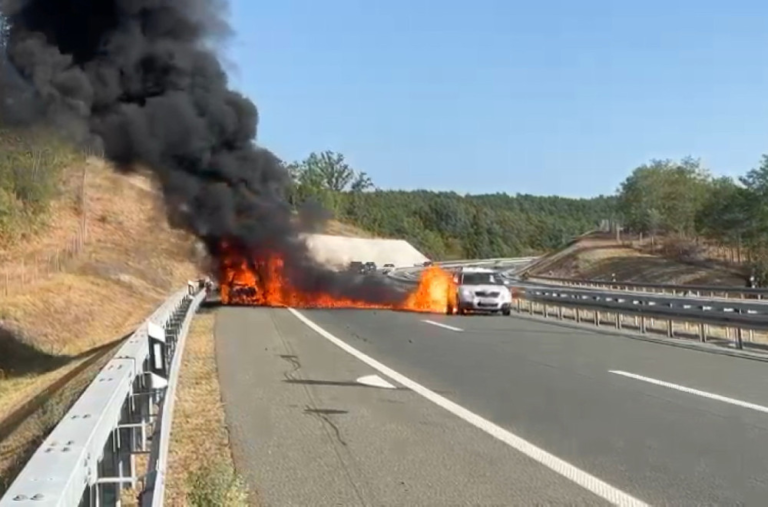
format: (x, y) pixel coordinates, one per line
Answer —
(262, 283)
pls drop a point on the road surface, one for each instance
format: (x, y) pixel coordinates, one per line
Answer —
(484, 410)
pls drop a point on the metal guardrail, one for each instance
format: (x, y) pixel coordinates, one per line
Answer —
(499, 260)
(89, 457)
(731, 315)
(698, 290)
(409, 274)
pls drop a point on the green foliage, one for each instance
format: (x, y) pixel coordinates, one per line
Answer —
(445, 224)
(684, 199)
(30, 172)
(664, 196)
(681, 198)
(216, 484)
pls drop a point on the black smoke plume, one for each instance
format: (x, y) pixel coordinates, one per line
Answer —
(140, 78)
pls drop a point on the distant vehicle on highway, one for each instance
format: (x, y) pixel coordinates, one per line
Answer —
(481, 290)
(356, 267)
(387, 268)
(427, 263)
(362, 268)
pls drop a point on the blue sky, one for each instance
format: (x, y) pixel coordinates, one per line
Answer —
(550, 97)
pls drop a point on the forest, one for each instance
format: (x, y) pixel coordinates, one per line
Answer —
(671, 197)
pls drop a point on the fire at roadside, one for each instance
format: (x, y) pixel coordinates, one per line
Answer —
(262, 281)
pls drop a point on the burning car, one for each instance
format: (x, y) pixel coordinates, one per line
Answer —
(263, 280)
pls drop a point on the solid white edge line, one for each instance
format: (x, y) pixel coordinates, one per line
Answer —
(689, 390)
(438, 324)
(570, 472)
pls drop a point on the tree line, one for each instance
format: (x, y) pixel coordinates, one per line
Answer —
(445, 225)
(670, 197)
(683, 198)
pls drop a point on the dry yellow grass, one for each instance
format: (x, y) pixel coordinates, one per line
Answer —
(337, 228)
(197, 432)
(129, 262)
(599, 261)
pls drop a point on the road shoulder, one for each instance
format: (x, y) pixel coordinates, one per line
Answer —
(200, 462)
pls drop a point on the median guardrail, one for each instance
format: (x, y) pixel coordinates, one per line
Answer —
(410, 274)
(643, 310)
(89, 457)
(697, 290)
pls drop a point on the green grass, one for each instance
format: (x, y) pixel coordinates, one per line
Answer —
(216, 484)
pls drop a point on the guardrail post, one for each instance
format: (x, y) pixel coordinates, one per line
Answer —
(618, 320)
(702, 332)
(107, 492)
(578, 315)
(560, 313)
(739, 338)
(670, 329)
(643, 327)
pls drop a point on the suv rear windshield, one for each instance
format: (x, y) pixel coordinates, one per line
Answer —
(481, 279)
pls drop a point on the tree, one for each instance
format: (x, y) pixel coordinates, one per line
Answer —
(444, 224)
(361, 183)
(329, 170)
(664, 195)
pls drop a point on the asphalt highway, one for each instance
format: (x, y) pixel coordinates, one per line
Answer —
(484, 410)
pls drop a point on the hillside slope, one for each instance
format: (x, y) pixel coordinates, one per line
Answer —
(599, 257)
(87, 279)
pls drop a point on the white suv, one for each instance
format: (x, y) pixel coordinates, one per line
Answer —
(481, 290)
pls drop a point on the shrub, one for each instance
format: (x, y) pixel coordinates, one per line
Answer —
(31, 165)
